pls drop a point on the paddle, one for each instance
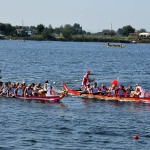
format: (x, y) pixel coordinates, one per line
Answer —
(0, 75)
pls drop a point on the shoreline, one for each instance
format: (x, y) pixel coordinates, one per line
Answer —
(81, 39)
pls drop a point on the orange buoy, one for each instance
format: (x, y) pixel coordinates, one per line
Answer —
(136, 137)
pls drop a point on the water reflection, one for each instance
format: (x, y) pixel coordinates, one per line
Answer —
(130, 106)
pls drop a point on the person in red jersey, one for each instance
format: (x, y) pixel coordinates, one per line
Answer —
(86, 80)
(139, 92)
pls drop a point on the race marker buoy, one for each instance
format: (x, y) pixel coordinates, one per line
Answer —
(136, 137)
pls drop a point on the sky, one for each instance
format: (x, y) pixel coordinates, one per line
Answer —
(92, 15)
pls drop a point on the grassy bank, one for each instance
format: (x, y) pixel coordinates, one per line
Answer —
(82, 38)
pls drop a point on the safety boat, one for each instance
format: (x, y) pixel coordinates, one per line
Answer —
(80, 93)
(115, 45)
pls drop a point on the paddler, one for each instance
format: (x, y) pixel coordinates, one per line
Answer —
(1, 84)
(4, 89)
(139, 92)
(129, 90)
(95, 88)
(19, 91)
(28, 90)
(86, 80)
(42, 92)
(50, 91)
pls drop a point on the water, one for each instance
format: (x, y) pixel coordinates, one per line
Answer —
(75, 123)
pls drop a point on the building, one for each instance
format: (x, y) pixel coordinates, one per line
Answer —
(2, 36)
(144, 35)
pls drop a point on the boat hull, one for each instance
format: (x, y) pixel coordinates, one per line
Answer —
(49, 98)
(116, 46)
(55, 98)
(103, 97)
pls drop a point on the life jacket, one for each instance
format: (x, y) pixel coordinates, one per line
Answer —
(128, 92)
(140, 91)
(52, 92)
(20, 92)
(103, 90)
(94, 89)
(147, 94)
(120, 92)
(4, 91)
(11, 90)
(29, 91)
(112, 92)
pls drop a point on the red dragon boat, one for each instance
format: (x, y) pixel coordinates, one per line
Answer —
(55, 98)
(103, 97)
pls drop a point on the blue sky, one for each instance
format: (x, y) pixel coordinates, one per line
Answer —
(92, 15)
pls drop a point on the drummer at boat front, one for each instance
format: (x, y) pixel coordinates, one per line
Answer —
(86, 80)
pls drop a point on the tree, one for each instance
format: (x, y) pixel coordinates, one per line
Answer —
(128, 29)
(2, 28)
(142, 30)
(50, 29)
(9, 29)
(120, 31)
(58, 30)
(77, 29)
(6, 29)
(40, 28)
(67, 31)
(47, 33)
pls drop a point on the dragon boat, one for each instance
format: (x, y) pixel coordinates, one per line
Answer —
(51, 98)
(81, 94)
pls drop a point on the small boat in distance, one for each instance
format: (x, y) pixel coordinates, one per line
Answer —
(116, 45)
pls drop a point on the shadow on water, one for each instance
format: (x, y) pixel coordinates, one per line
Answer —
(50, 103)
(132, 106)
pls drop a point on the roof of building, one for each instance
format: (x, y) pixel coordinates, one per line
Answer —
(144, 34)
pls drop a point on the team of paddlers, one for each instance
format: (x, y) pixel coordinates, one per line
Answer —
(113, 90)
(21, 89)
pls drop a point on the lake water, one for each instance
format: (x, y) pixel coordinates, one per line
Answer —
(76, 123)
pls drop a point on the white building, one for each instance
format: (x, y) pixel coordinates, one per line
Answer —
(144, 35)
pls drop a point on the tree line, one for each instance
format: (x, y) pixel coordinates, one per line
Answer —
(67, 31)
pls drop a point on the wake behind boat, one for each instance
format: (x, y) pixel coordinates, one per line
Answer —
(80, 93)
